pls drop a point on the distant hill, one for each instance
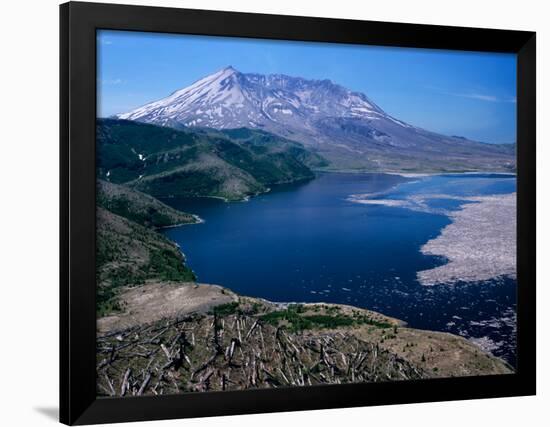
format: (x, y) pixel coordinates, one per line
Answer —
(165, 162)
(345, 127)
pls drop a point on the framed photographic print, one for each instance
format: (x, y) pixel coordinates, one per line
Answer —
(272, 213)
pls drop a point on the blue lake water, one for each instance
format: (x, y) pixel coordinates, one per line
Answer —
(308, 243)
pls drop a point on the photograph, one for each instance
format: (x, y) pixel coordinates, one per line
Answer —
(281, 213)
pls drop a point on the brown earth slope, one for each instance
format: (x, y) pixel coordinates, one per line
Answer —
(175, 338)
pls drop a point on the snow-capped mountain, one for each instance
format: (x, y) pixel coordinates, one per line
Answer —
(230, 99)
(345, 126)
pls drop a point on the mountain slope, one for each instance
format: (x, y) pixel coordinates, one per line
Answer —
(165, 162)
(343, 126)
(184, 338)
(139, 207)
(128, 254)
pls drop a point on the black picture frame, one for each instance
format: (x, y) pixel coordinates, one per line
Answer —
(78, 25)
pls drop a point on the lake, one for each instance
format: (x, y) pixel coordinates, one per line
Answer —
(310, 242)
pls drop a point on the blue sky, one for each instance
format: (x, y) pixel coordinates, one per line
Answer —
(455, 93)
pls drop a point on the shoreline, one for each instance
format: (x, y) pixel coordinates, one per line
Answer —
(408, 175)
(245, 198)
(198, 220)
(428, 174)
(161, 299)
(414, 174)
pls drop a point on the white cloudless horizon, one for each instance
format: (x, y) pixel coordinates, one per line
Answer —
(29, 216)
